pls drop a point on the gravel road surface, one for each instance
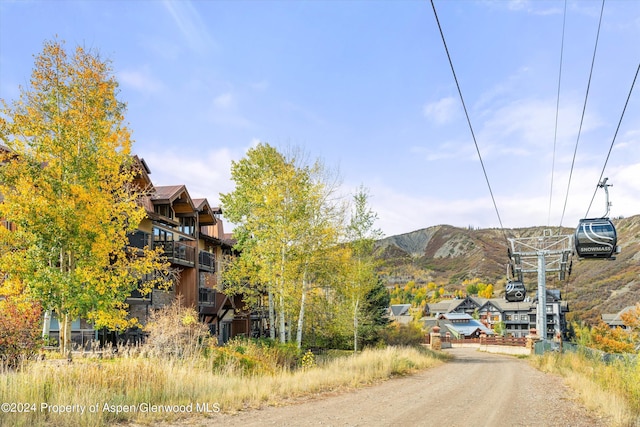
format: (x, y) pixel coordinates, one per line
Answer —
(474, 389)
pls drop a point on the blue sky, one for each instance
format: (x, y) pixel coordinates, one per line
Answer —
(366, 87)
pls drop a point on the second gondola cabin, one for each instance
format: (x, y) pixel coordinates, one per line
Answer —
(596, 238)
(515, 291)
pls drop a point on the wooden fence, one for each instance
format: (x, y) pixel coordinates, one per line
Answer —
(498, 340)
(509, 341)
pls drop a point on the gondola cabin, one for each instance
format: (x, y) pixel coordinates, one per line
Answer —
(596, 238)
(515, 291)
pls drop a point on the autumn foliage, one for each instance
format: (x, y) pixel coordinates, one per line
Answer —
(67, 181)
(19, 331)
(613, 340)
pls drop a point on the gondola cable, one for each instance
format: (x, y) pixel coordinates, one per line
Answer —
(555, 131)
(596, 238)
(584, 107)
(624, 109)
(455, 78)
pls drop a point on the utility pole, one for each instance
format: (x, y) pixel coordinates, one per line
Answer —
(547, 253)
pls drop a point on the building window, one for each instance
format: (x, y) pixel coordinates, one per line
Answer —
(160, 235)
(188, 225)
(164, 210)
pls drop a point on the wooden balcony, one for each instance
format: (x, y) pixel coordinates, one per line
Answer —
(178, 252)
(207, 261)
(206, 296)
(206, 301)
(139, 239)
(137, 298)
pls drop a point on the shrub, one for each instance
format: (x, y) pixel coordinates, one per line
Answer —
(250, 356)
(308, 360)
(403, 335)
(19, 331)
(174, 331)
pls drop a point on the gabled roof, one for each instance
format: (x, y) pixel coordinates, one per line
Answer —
(455, 316)
(175, 195)
(206, 215)
(471, 328)
(142, 173)
(503, 305)
(444, 306)
(459, 324)
(400, 309)
(615, 319)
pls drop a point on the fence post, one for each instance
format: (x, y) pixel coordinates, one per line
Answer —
(436, 344)
(532, 338)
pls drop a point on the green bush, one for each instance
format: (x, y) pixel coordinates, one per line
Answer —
(403, 335)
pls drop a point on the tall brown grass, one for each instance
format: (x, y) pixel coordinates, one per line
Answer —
(202, 385)
(611, 389)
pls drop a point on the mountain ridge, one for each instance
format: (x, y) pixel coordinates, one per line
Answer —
(447, 255)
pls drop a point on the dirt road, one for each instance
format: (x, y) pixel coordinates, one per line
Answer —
(475, 389)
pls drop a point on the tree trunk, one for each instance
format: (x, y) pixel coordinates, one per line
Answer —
(283, 330)
(272, 317)
(65, 334)
(46, 325)
(355, 326)
(283, 258)
(301, 314)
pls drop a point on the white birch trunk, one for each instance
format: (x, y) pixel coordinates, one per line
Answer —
(301, 314)
(355, 325)
(272, 317)
(283, 331)
(46, 324)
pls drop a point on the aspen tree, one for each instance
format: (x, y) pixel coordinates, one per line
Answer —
(67, 182)
(284, 227)
(361, 236)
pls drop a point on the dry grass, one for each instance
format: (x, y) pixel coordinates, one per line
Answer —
(609, 389)
(201, 389)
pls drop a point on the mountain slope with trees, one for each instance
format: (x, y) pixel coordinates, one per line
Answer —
(448, 256)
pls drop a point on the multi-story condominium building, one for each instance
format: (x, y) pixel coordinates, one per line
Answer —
(191, 236)
(516, 318)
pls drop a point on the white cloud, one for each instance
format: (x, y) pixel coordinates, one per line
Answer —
(205, 176)
(190, 24)
(446, 150)
(141, 80)
(224, 111)
(224, 101)
(442, 111)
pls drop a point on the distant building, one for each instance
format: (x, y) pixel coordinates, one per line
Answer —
(517, 318)
(615, 320)
(400, 313)
(458, 326)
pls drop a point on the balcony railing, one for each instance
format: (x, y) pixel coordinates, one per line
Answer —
(137, 294)
(177, 252)
(516, 322)
(207, 261)
(206, 296)
(139, 239)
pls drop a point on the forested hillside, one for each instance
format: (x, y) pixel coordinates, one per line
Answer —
(449, 255)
